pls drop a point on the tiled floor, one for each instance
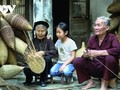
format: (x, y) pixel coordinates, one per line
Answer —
(19, 79)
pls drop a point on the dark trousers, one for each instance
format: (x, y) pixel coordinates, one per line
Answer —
(43, 76)
(86, 68)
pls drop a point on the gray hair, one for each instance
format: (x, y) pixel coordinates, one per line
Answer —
(106, 20)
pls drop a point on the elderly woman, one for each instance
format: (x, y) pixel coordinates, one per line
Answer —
(104, 47)
(44, 47)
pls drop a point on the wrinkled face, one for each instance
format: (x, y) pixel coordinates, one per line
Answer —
(40, 32)
(100, 28)
(60, 33)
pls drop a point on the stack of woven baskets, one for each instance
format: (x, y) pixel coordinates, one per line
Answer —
(114, 10)
(12, 40)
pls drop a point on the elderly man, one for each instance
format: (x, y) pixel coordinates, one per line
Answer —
(104, 47)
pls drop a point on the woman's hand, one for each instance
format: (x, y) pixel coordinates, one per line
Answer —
(40, 53)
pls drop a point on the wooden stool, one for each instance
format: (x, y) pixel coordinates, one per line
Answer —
(50, 78)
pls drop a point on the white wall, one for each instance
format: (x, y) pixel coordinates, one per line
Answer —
(99, 8)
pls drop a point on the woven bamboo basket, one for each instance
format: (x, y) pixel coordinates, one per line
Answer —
(80, 51)
(114, 7)
(18, 21)
(20, 46)
(7, 33)
(3, 52)
(9, 71)
(115, 20)
(19, 33)
(11, 57)
(36, 63)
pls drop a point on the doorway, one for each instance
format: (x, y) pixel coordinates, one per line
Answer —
(60, 12)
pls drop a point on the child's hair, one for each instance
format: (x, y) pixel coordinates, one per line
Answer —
(63, 26)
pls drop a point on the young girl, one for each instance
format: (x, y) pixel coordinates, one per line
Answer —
(66, 52)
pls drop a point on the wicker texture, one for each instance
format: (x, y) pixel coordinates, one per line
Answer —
(3, 52)
(115, 20)
(7, 33)
(20, 46)
(9, 71)
(18, 21)
(114, 7)
(11, 57)
(36, 63)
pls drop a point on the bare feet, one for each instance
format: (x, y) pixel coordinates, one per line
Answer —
(89, 85)
(104, 85)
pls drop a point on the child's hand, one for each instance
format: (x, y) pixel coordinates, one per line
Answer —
(61, 68)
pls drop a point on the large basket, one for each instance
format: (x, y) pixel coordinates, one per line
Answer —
(18, 21)
(7, 33)
(114, 7)
(11, 57)
(3, 52)
(20, 46)
(9, 71)
(115, 20)
(19, 33)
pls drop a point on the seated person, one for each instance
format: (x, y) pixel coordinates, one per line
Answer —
(103, 50)
(44, 47)
(66, 53)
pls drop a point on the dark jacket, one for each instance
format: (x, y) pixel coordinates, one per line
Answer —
(46, 45)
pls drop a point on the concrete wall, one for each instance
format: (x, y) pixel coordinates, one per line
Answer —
(99, 8)
(42, 11)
